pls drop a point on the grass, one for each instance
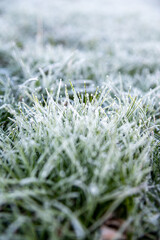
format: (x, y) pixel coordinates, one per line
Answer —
(78, 147)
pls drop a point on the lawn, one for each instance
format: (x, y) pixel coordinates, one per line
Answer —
(79, 120)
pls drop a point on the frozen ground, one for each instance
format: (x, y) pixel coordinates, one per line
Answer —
(93, 38)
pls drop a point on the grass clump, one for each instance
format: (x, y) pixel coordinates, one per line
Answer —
(65, 168)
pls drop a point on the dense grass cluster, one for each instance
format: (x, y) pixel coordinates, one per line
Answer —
(79, 119)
